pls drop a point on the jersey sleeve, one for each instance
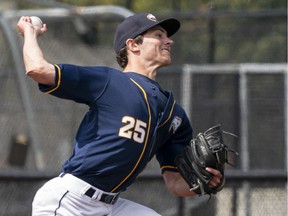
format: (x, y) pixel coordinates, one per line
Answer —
(174, 146)
(78, 83)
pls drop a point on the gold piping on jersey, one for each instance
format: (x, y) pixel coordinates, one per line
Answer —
(163, 124)
(146, 139)
(169, 115)
(168, 167)
(58, 82)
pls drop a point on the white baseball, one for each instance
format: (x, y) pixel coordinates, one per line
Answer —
(36, 21)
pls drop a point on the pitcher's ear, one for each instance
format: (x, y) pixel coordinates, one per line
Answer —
(132, 45)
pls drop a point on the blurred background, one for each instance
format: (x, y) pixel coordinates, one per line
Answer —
(229, 68)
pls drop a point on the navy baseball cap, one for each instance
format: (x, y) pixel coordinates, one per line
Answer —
(136, 24)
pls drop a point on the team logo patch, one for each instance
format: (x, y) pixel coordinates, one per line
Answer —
(151, 17)
(175, 124)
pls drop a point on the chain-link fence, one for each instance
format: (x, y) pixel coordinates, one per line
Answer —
(249, 100)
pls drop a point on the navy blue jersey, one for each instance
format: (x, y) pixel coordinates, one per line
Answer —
(130, 119)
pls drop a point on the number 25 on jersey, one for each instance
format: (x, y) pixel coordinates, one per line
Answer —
(133, 129)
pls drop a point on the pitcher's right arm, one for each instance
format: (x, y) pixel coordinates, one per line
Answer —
(36, 65)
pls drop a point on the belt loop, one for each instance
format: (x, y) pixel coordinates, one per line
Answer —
(97, 195)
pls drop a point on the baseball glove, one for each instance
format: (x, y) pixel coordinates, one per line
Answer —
(206, 150)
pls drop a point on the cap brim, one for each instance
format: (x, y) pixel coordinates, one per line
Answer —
(170, 25)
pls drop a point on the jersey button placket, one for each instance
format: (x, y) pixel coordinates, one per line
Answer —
(154, 91)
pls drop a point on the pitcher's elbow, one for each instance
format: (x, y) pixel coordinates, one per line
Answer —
(34, 71)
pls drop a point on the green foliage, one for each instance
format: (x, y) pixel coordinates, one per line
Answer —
(184, 5)
(176, 5)
(236, 39)
(93, 2)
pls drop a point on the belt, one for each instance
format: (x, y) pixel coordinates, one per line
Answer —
(106, 198)
(78, 186)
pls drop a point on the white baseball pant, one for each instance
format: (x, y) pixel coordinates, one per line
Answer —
(69, 196)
